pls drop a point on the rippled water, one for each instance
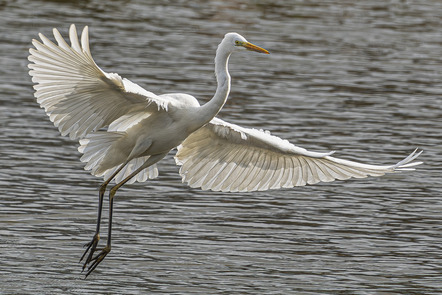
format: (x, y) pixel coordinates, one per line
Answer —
(360, 78)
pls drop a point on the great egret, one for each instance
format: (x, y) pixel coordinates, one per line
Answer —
(142, 128)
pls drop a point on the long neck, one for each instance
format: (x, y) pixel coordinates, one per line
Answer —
(213, 106)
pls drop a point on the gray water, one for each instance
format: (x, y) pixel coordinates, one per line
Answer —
(362, 78)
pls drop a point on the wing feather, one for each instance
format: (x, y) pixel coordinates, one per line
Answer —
(76, 94)
(255, 166)
(214, 172)
(225, 157)
(225, 168)
(244, 168)
(277, 176)
(236, 170)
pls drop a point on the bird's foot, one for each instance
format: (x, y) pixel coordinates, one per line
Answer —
(91, 247)
(97, 259)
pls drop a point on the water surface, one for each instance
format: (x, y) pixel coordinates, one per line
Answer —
(360, 78)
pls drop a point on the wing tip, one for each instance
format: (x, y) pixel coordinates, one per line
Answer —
(407, 164)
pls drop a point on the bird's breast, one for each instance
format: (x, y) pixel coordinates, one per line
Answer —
(166, 131)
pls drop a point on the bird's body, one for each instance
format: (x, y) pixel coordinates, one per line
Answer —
(140, 136)
(143, 127)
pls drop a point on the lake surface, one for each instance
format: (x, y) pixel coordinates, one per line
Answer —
(364, 79)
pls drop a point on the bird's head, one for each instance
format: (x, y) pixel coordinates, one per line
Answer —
(236, 42)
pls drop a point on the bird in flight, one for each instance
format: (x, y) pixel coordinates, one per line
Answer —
(81, 99)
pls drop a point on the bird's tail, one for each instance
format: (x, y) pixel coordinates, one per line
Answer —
(97, 145)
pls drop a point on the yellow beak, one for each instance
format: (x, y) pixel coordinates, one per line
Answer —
(253, 47)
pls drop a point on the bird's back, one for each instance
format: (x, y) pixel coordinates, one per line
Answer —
(181, 100)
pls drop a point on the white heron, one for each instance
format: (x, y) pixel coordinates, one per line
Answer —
(142, 127)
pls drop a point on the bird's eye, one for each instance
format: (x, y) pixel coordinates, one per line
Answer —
(237, 43)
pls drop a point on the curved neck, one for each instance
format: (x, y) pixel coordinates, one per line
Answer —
(213, 106)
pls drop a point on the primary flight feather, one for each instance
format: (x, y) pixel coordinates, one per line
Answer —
(142, 127)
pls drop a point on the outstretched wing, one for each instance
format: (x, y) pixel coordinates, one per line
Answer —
(225, 157)
(76, 94)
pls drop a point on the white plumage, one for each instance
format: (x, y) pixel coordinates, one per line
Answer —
(143, 127)
(225, 157)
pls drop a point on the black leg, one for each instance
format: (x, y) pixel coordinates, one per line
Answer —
(92, 245)
(100, 256)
